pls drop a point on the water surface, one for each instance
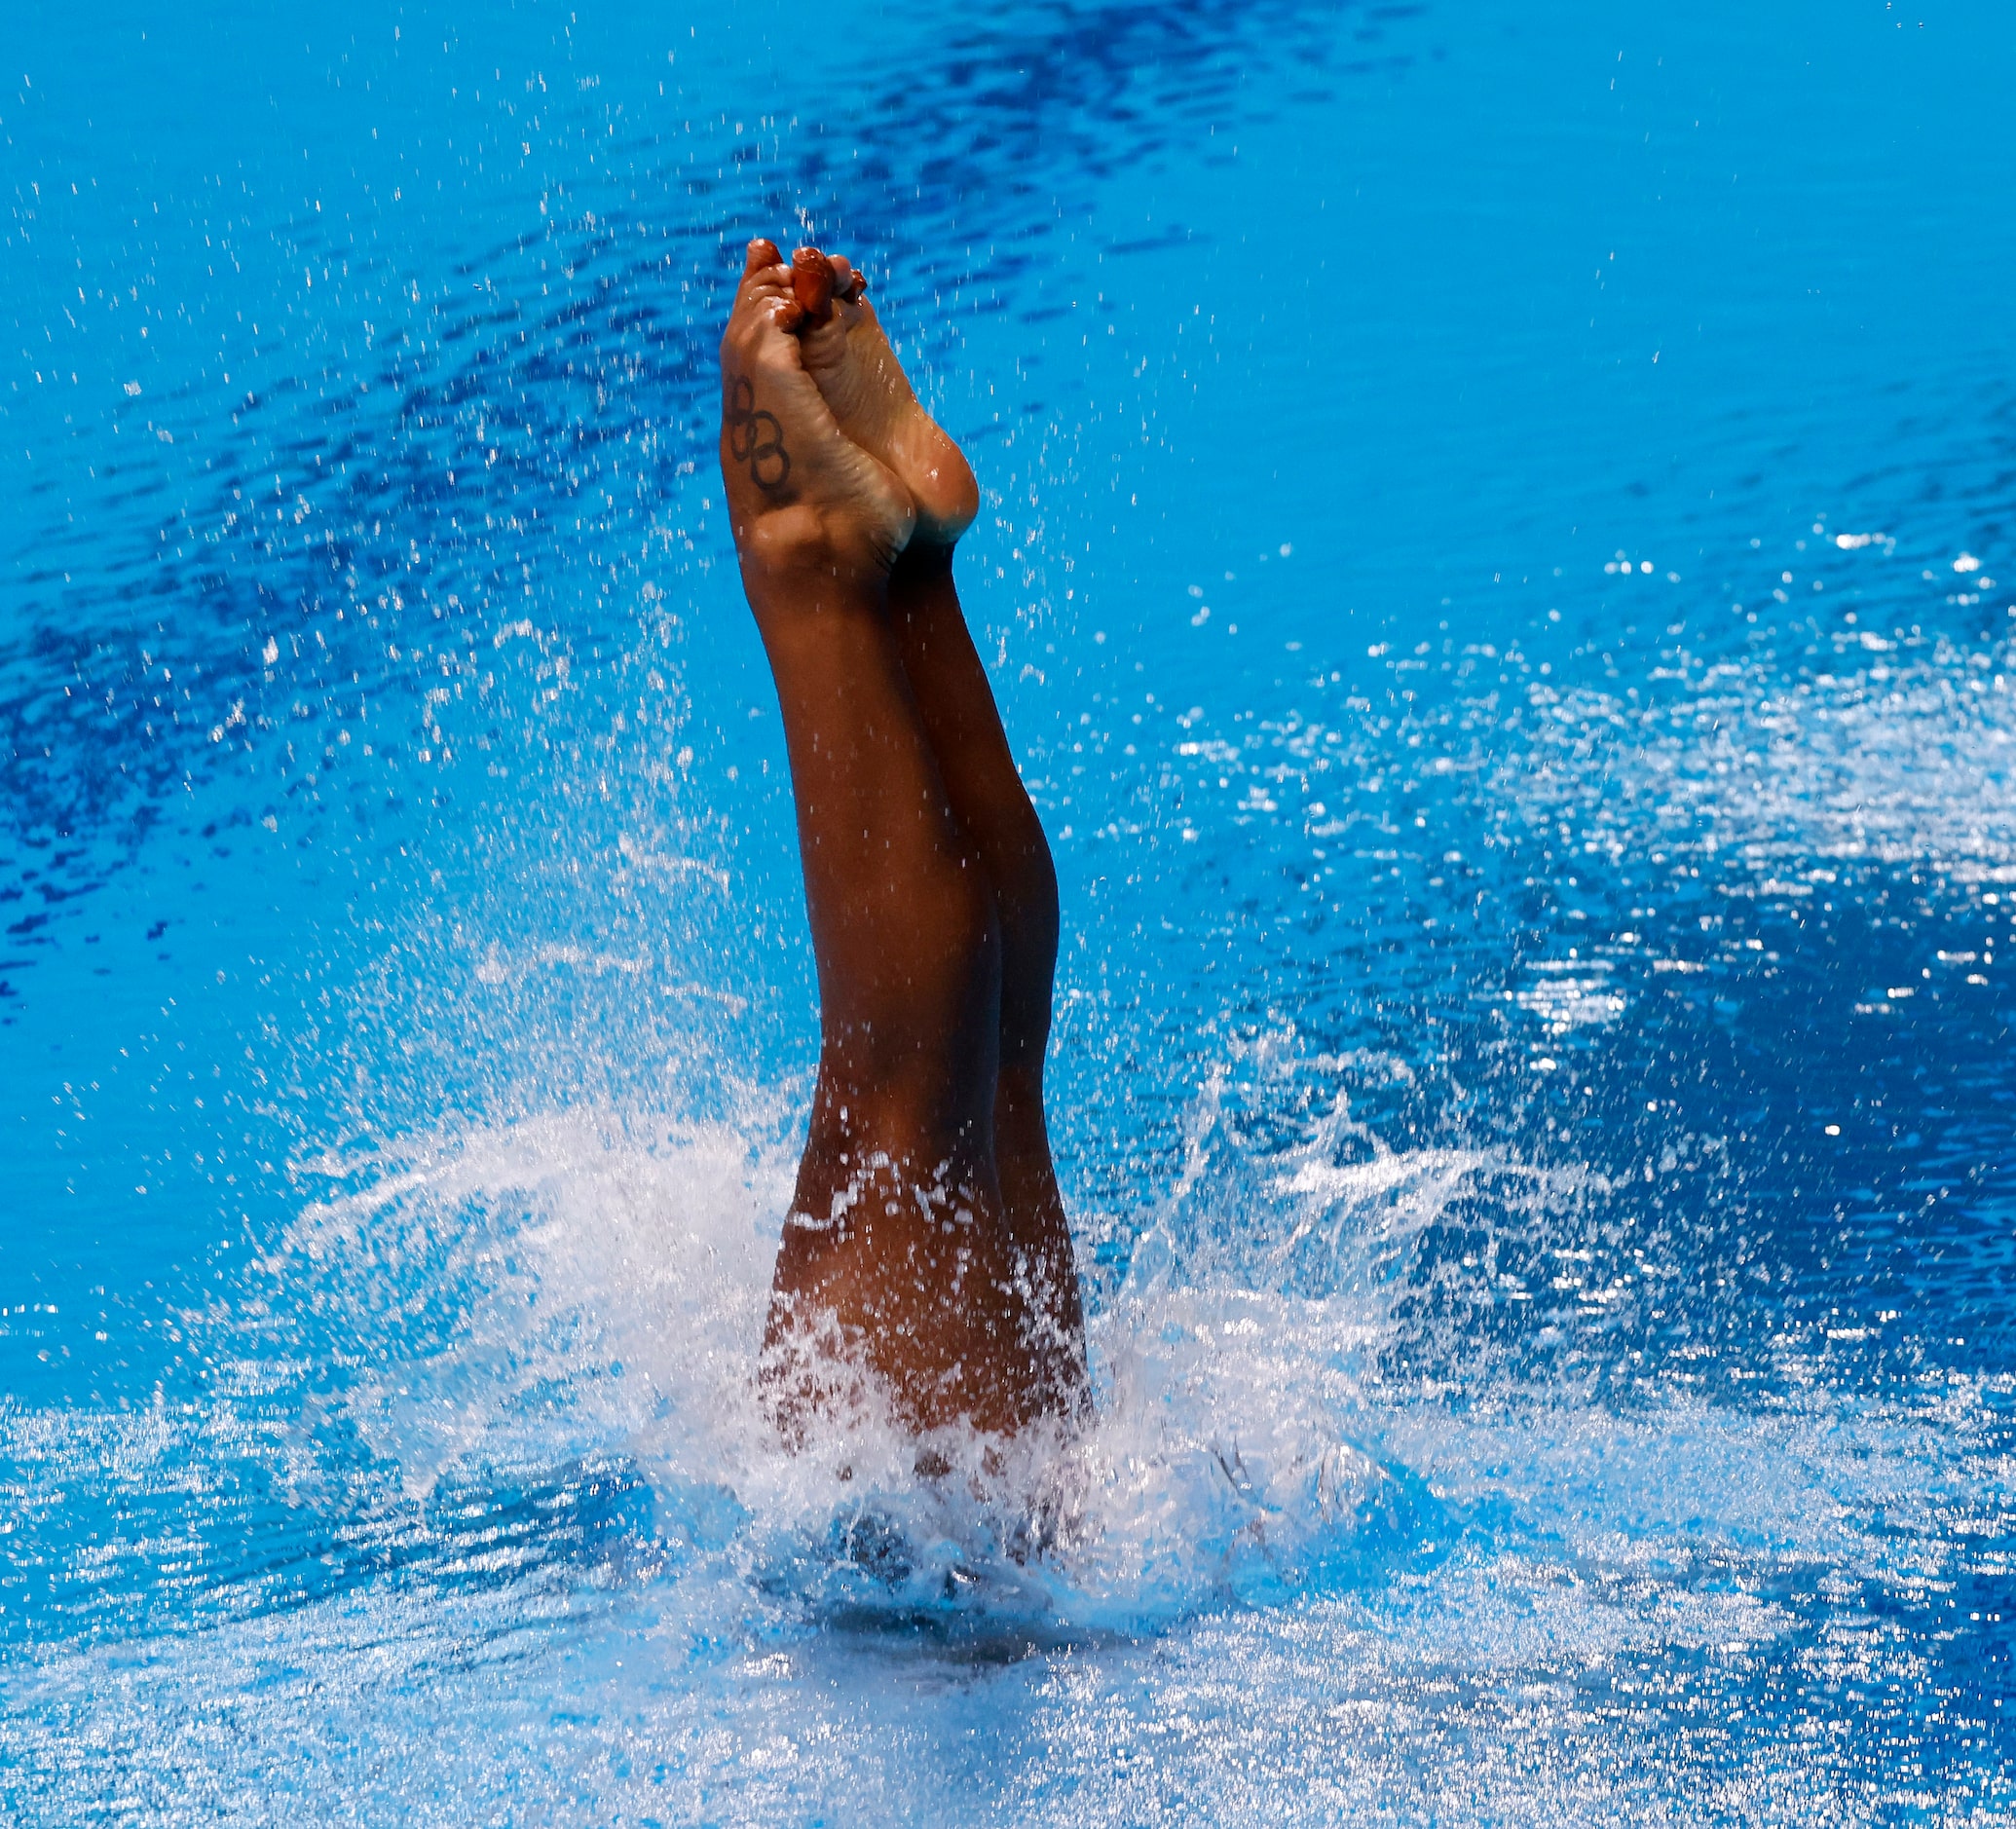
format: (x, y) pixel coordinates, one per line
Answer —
(1490, 564)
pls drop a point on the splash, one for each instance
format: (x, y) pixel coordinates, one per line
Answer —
(584, 1288)
(495, 1387)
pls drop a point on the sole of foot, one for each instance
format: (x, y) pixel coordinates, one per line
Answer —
(848, 354)
(797, 483)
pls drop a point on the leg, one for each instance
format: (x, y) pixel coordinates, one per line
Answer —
(984, 791)
(850, 358)
(896, 1232)
(896, 1238)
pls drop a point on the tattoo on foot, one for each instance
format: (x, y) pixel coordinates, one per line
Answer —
(756, 438)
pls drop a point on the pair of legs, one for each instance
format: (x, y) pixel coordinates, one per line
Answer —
(927, 1242)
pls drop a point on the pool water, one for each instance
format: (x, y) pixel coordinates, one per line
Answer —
(1490, 562)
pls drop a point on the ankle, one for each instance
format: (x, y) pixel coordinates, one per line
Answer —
(799, 544)
(924, 561)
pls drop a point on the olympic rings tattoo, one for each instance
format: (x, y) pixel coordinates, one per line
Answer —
(756, 438)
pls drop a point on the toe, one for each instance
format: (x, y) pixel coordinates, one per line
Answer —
(762, 252)
(849, 283)
(812, 284)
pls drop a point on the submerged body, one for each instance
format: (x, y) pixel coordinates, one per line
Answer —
(928, 1247)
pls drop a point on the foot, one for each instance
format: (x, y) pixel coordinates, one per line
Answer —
(847, 353)
(800, 490)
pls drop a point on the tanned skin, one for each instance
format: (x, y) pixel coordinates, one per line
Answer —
(927, 1243)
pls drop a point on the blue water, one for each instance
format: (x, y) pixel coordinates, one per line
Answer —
(1493, 520)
